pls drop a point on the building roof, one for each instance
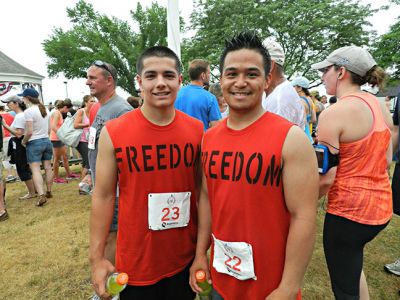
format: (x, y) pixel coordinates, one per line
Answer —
(10, 70)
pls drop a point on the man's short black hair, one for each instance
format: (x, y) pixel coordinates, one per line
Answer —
(158, 51)
(246, 40)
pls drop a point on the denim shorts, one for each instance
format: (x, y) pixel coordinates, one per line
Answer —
(39, 150)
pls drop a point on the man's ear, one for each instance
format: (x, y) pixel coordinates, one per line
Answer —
(268, 79)
(180, 78)
(139, 81)
(272, 66)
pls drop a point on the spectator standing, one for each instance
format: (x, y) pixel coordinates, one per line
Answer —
(102, 80)
(59, 148)
(82, 122)
(18, 153)
(10, 168)
(263, 229)
(157, 183)
(38, 146)
(301, 85)
(194, 100)
(282, 98)
(358, 129)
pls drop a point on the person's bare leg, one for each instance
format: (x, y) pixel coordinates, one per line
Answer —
(30, 186)
(65, 160)
(2, 205)
(37, 177)
(49, 174)
(56, 161)
(364, 294)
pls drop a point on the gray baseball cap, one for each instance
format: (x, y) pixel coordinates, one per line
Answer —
(275, 51)
(12, 99)
(353, 58)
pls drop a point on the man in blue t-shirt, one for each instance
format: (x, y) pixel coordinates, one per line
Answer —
(194, 100)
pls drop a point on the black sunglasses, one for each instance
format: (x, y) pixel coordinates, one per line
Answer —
(103, 65)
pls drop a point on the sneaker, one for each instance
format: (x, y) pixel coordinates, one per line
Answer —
(27, 196)
(49, 194)
(4, 216)
(73, 176)
(42, 200)
(60, 180)
(10, 178)
(393, 268)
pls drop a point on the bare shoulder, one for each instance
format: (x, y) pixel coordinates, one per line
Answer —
(296, 143)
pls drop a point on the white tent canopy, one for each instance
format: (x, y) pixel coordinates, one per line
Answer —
(14, 77)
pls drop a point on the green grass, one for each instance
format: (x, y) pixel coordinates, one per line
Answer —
(43, 251)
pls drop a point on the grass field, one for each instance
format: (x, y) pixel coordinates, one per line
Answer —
(43, 251)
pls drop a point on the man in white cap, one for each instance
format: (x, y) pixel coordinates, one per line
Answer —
(282, 98)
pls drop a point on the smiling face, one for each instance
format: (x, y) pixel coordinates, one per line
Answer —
(243, 80)
(159, 81)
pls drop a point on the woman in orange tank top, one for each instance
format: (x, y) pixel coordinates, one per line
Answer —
(358, 127)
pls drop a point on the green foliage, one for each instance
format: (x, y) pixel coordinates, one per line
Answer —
(307, 30)
(94, 36)
(387, 52)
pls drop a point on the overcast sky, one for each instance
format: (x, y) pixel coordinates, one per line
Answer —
(25, 24)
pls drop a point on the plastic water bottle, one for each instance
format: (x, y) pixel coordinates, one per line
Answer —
(201, 280)
(116, 282)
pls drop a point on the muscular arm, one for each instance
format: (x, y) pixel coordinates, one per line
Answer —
(300, 184)
(203, 236)
(102, 211)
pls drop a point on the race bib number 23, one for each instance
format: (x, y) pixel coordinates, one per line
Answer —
(168, 210)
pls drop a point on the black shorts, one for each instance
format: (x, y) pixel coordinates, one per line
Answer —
(23, 170)
(172, 288)
(57, 144)
(344, 242)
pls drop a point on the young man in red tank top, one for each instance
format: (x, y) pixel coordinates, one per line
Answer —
(154, 153)
(259, 191)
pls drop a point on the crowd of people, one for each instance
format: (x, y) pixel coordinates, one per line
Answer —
(229, 166)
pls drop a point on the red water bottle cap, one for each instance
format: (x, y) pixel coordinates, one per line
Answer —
(200, 276)
(122, 278)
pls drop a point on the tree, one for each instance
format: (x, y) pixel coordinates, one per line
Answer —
(307, 30)
(97, 37)
(387, 52)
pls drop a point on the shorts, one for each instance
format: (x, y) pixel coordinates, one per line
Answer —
(57, 144)
(39, 150)
(175, 287)
(344, 242)
(23, 170)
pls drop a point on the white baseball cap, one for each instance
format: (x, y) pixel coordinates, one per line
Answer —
(301, 81)
(353, 58)
(275, 51)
